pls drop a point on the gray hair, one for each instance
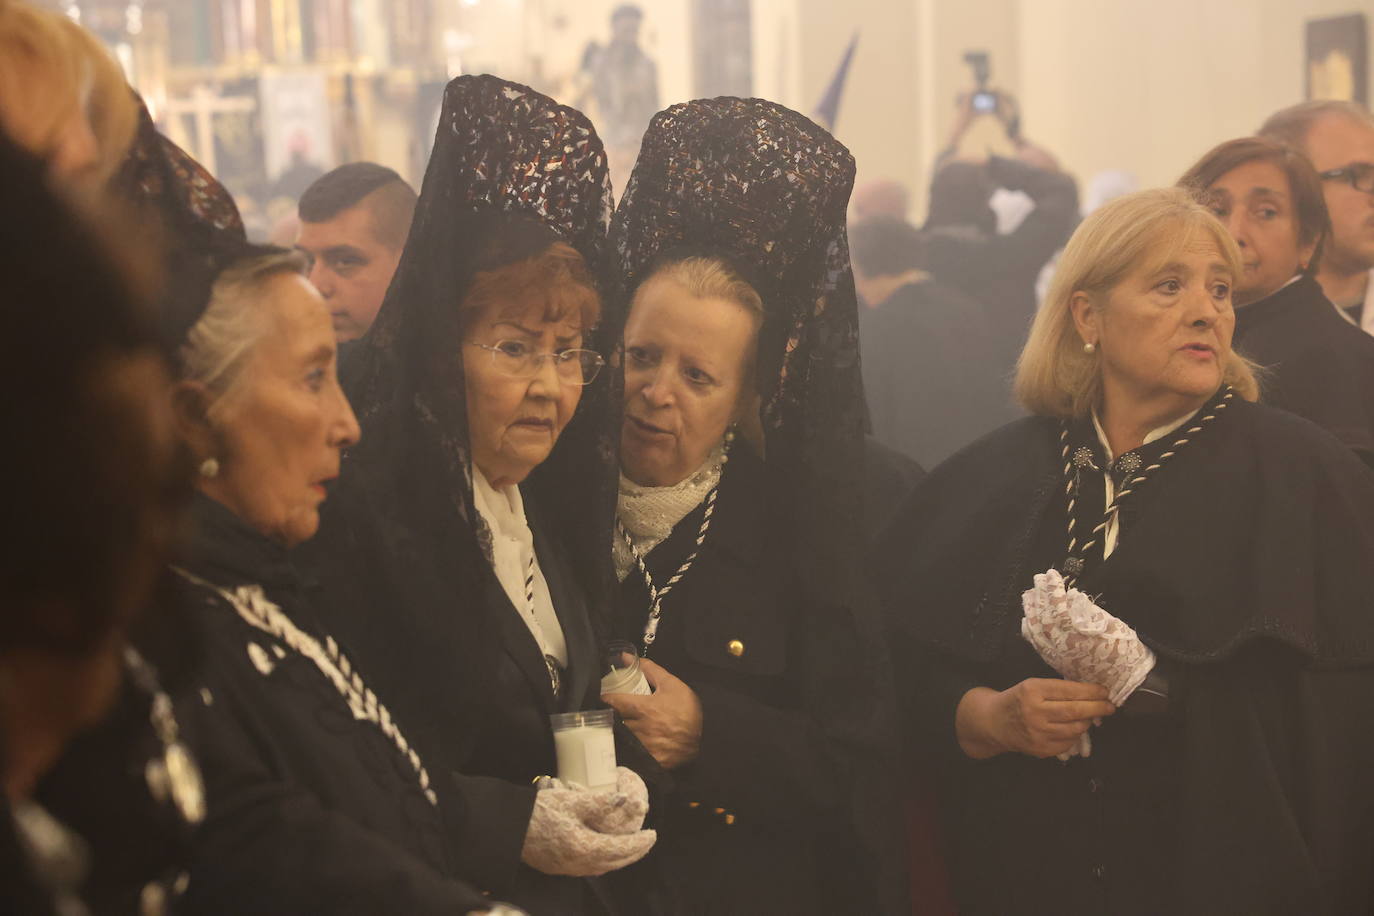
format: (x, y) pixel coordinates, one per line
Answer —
(218, 346)
(1290, 126)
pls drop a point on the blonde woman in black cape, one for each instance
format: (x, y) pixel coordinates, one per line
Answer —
(1161, 583)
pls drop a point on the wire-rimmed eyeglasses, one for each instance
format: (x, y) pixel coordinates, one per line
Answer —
(518, 359)
(1359, 175)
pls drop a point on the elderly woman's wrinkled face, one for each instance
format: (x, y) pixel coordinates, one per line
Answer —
(1255, 203)
(286, 421)
(515, 417)
(1164, 331)
(687, 363)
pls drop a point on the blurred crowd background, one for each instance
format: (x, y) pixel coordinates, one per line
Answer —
(269, 94)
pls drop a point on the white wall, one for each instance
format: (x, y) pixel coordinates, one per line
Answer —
(1150, 85)
(879, 119)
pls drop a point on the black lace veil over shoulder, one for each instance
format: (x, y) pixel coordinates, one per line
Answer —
(767, 190)
(511, 171)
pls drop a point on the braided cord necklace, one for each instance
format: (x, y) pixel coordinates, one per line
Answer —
(656, 594)
(257, 610)
(1075, 461)
(537, 629)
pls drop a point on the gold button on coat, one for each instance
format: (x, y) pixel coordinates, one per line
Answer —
(735, 648)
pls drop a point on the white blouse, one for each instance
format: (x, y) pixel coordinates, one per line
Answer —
(517, 566)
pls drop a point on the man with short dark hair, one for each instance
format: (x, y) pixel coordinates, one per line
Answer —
(930, 374)
(1338, 138)
(354, 224)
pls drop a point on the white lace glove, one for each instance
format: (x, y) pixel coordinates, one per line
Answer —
(1083, 642)
(576, 831)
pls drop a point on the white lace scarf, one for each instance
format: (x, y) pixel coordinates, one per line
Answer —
(649, 514)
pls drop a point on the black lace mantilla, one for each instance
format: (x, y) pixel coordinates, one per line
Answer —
(767, 189)
(502, 153)
(194, 218)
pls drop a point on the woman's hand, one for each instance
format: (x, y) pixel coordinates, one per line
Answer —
(577, 831)
(1038, 717)
(667, 722)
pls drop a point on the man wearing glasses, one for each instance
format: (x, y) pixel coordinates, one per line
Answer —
(1338, 138)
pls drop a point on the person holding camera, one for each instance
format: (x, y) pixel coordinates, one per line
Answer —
(963, 248)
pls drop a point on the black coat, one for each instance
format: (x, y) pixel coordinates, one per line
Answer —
(889, 477)
(1244, 563)
(1318, 365)
(407, 612)
(761, 820)
(309, 808)
(932, 376)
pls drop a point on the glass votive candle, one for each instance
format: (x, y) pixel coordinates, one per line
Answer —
(625, 674)
(585, 745)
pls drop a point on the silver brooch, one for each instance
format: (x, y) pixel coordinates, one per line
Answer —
(1128, 465)
(1073, 566)
(1083, 458)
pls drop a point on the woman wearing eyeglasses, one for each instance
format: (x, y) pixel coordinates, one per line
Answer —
(463, 554)
(1319, 366)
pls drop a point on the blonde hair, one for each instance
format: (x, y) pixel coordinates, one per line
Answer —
(709, 278)
(1054, 377)
(51, 71)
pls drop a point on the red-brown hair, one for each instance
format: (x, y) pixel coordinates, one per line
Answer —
(556, 281)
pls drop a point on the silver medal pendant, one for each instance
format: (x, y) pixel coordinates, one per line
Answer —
(555, 675)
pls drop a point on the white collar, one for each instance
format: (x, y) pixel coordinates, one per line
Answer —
(503, 509)
(1158, 432)
(1367, 320)
(1366, 323)
(1291, 280)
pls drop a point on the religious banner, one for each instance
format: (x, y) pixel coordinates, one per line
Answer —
(297, 129)
(1337, 58)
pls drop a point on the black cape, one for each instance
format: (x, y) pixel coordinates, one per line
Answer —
(310, 809)
(1319, 365)
(930, 372)
(1244, 563)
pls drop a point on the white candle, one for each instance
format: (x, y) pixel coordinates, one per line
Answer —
(585, 745)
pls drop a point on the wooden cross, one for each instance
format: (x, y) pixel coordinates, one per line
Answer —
(204, 103)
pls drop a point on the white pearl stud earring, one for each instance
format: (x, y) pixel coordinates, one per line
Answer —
(1090, 348)
(209, 468)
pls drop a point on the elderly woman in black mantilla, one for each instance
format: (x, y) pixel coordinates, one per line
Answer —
(314, 799)
(464, 557)
(739, 515)
(1159, 583)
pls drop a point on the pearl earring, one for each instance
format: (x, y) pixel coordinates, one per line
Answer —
(1090, 348)
(209, 468)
